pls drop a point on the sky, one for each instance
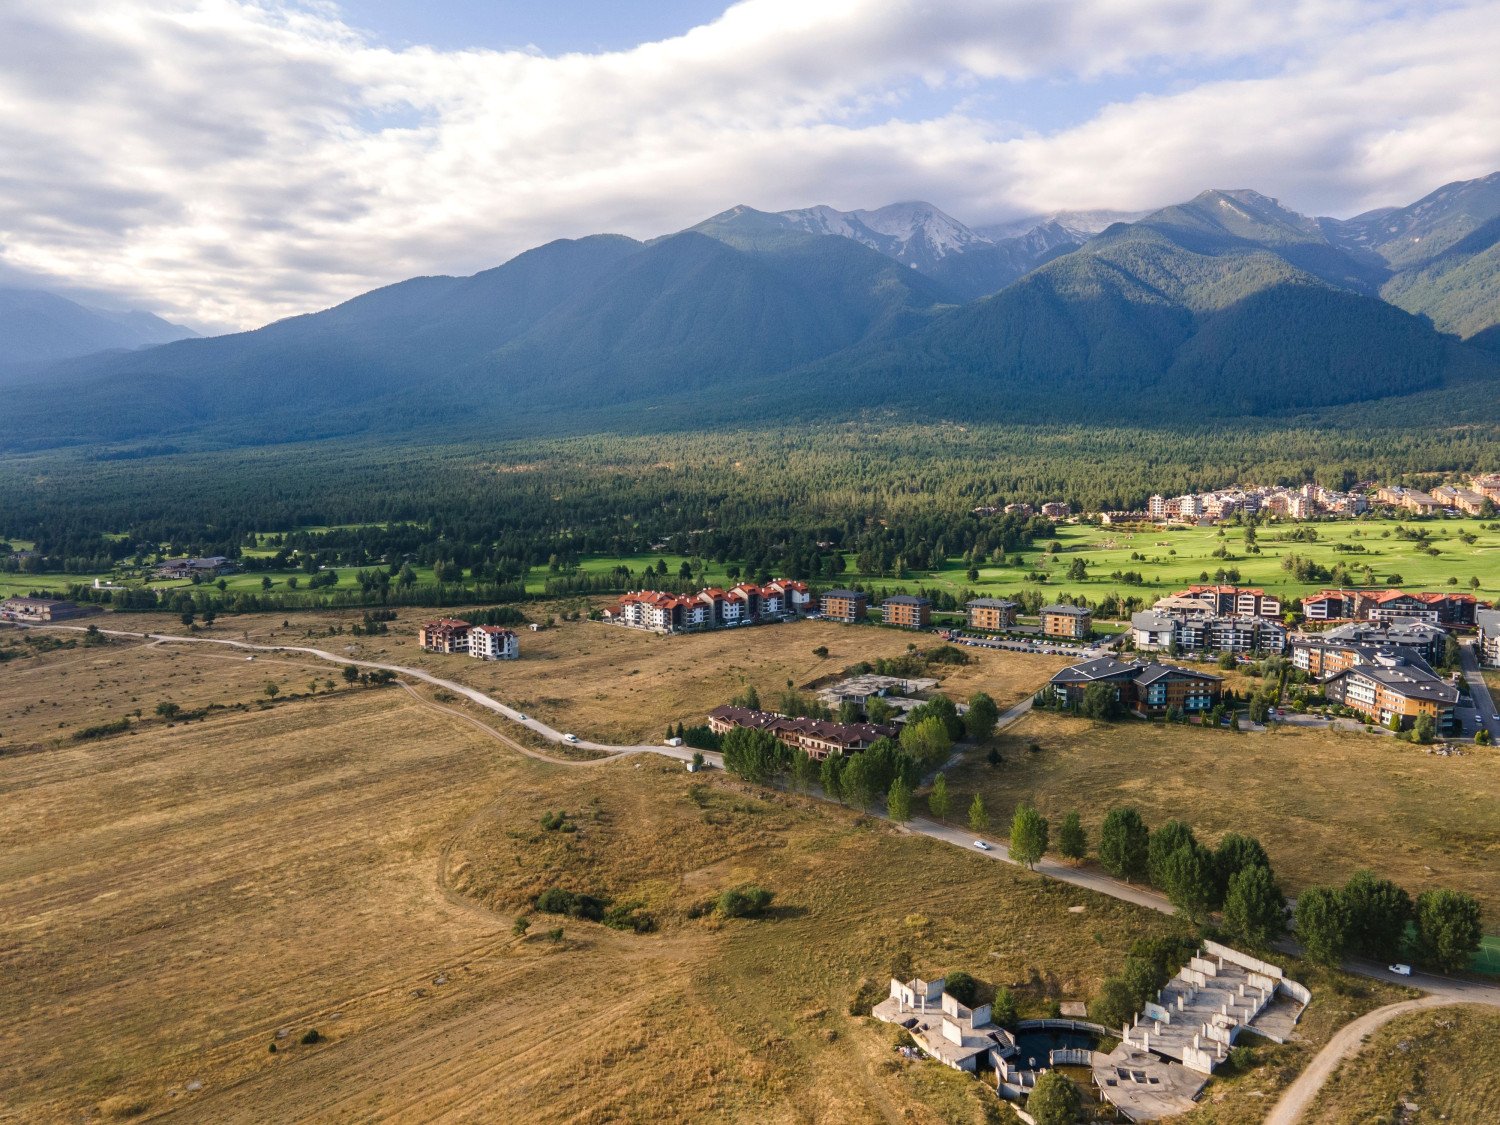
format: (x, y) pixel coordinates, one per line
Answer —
(225, 163)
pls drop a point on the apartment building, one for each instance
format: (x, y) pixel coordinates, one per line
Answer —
(1154, 629)
(906, 611)
(1150, 690)
(446, 635)
(814, 736)
(711, 607)
(993, 615)
(42, 610)
(1070, 621)
(1391, 687)
(1488, 621)
(843, 605)
(1235, 601)
(491, 642)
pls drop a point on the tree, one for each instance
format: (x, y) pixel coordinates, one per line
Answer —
(1424, 729)
(804, 770)
(755, 755)
(520, 926)
(937, 799)
(926, 741)
(1254, 908)
(748, 901)
(830, 776)
(979, 816)
(1167, 839)
(1449, 929)
(1072, 839)
(1188, 879)
(1124, 843)
(1378, 912)
(1054, 1100)
(272, 690)
(1235, 853)
(1078, 571)
(1028, 835)
(980, 718)
(168, 710)
(1322, 925)
(187, 617)
(898, 801)
(1115, 1005)
(1003, 1008)
(1102, 702)
(877, 710)
(821, 652)
(351, 673)
(265, 581)
(858, 784)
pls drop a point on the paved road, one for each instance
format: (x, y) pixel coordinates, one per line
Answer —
(1479, 691)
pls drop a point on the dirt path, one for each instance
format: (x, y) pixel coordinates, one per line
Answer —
(1347, 1042)
(518, 747)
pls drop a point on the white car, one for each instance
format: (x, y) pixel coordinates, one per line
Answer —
(981, 845)
(570, 738)
(521, 716)
(1401, 970)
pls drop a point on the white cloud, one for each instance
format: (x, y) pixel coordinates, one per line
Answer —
(232, 161)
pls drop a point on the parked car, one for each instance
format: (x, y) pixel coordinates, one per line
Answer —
(1401, 970)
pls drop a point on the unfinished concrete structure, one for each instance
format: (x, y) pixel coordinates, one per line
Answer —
(955, 1035)
(1168, 1053)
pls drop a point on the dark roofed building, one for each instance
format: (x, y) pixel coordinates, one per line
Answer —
(907, 611)
(815, 736)
(1149, 690)
(843, 605)
(1071, 621)
(991, 614)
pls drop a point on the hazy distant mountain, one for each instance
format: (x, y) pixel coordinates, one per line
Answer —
(1082, 225)
(39, 327)
(1227, 305)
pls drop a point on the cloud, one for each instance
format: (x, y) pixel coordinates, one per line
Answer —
(229, 161)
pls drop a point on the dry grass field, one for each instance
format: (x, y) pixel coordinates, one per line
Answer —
(612, 684)
(1323, 803)
(1439, 1065)
(181, 898)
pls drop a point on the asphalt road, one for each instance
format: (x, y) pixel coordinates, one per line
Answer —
(1479, 691)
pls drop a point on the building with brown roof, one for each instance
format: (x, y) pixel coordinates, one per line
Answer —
(817, 737)
(446, 635)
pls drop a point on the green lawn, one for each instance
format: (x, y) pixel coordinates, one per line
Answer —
(1171, 559)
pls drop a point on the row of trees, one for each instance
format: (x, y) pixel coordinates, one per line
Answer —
(1375, 918)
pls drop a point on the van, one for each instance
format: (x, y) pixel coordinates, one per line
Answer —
(1401, 970)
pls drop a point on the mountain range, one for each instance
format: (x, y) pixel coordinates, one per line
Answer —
(1227, 305)
(38, 327)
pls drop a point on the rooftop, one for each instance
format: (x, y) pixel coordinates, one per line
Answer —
(1071, 610)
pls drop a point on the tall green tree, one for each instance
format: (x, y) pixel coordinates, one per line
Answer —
(1169, 838)
(979, 816)
(804, 771)
(1102, 702)
(1378, 912)
(1322, 925)
(1072, 838)
(980, 718)
(755, 755)
(1449, 929)
(858, 785)
(1235, 853)
(1188, 878)
(831, 776)
(1254, 907)
(926, 741)
(937, 799)
(898, 802)
(1028, 835)
(1124, 842)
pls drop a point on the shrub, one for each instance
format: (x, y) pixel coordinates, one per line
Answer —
(747, 901)
(312, 1035)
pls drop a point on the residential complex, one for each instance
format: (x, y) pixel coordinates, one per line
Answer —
(1070, 621)
(1417, 637)
(1311, 500)
(210, 567)
(483, 642)
(817, 737)
(1390, 688)
(710, 608)
(843, 605)
(993, 615)
(906, 611)
(1234, 601)
(1156, 630)
(1150, 690)
(1388, 605)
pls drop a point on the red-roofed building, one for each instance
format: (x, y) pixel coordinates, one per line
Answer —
(1236, 601)
(491, 642)
(445, 635)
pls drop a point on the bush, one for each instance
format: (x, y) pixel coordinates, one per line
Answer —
(747, 901)
(312, 1035)
(555, 900)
